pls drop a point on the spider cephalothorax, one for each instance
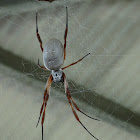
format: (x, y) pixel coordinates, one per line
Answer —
(57, 75)
(53, 57)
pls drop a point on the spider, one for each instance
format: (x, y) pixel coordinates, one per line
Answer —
(54, 54)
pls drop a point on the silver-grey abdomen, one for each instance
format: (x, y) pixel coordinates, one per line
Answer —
(53, 54)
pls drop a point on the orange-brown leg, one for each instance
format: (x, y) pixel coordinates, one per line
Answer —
(80, 110)
(75, 62)
(41, 66)
(45, 99)
(65, 35)
(38, 36)
(43, 117)
(75, 114)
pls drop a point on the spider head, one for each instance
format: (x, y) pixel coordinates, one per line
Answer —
(57, 75)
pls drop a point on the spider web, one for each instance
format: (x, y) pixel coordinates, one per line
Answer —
(100, 84)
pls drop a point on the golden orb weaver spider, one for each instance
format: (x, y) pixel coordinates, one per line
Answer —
(54, 54)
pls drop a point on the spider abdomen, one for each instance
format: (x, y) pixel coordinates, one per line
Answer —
(53, 54)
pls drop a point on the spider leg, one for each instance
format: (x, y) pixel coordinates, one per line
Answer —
(46, 97)
(66, 31)
(43, 117)
(38, 36)
(40, 113)
(75, 114)
(75, 62)
(47, 0)
(42, 132)
(80, 110)
(41, 66)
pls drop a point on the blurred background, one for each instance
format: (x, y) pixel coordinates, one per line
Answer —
(104, 85)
